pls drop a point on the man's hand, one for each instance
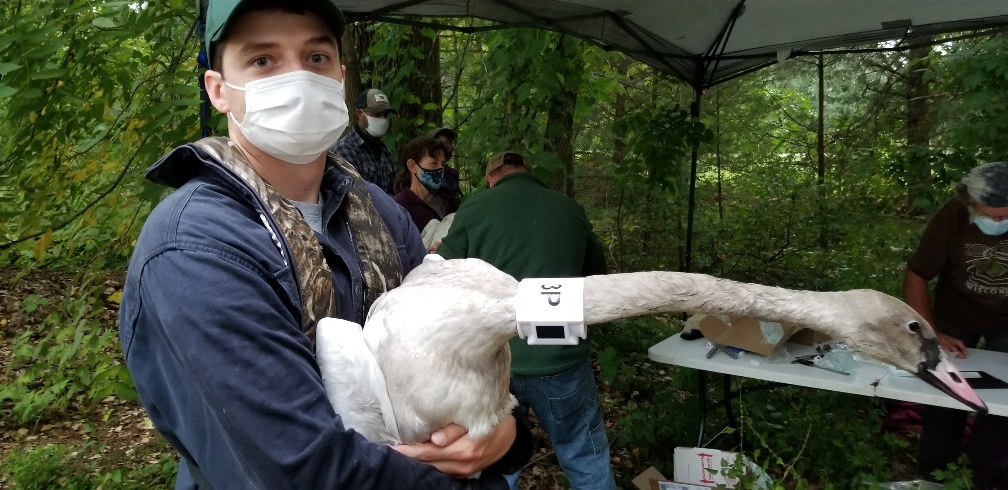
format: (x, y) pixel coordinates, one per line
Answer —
(952, 344)
(451, 452)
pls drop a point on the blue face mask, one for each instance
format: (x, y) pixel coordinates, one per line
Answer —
(990, 227)
(430, 179)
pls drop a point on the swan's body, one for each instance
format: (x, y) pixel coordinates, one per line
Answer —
(441, 337)
(353, 380)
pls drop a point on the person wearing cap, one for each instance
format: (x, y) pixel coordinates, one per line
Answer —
(965, 246)
(450, 190)
(528, 230)
(363, 146)
(265, 234)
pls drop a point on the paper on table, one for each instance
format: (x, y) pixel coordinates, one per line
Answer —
(895, 371)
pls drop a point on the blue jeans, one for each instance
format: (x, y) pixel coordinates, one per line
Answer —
(567, 407)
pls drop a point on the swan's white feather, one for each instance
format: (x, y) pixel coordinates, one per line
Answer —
(354, 382)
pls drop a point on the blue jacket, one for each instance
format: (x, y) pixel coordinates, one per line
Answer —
(209, 325)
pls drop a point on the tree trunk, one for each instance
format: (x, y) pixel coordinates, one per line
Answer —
(918, 125)
(356, 42)
(821, 126)
(424, 86)
(559, 133)
(619, 110)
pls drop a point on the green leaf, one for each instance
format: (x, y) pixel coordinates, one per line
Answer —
(104, 23)
(47, 74)
(8, 67)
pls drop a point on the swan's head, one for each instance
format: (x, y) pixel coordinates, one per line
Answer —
(890, 331)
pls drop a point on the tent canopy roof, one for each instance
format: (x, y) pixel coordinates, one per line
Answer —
(705, 42)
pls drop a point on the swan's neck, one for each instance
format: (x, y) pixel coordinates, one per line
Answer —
(614, 296)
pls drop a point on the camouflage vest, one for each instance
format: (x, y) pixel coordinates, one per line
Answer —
(377, 255)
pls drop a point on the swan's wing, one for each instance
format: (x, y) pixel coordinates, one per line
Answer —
(353, 381)
(441, 340)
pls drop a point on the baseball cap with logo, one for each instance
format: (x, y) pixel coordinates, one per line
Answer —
(220, 12)
(374, 101)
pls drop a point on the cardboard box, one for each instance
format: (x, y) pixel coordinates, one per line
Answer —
(652, 479)
(807, 336)
(703, 466)
(745, 333)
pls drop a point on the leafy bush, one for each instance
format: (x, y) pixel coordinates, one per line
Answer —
(66, 467)
(71, 355)
(46, 467)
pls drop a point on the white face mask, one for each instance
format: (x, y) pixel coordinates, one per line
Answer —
(376, 126)
(295, 117)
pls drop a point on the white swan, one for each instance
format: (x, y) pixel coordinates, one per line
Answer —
(440, 338)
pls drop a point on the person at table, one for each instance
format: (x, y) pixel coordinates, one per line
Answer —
(965, 246)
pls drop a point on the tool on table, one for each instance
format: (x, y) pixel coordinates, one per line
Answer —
(691, 334)
(715, 347)
(809, 360)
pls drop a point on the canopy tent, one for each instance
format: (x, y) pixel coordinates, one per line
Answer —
(705, 42)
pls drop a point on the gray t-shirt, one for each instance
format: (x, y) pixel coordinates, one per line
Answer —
(312, 213)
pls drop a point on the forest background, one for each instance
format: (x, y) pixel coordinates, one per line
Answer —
(816, 173)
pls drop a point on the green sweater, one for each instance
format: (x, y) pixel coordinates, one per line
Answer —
(528, 230)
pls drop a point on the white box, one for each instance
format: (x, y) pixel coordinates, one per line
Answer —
(702, 466)
(694, 465)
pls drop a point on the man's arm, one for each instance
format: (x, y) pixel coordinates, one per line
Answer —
(917, 296)
(230, 380)
(455, 245)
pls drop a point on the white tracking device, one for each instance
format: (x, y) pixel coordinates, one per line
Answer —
(550, 311)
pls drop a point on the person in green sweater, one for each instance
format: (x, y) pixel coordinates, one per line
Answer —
(528, 230)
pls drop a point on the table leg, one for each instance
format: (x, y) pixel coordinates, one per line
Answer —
(729, 413)
(703, 406)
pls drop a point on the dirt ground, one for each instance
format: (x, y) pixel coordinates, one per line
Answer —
(117, 431)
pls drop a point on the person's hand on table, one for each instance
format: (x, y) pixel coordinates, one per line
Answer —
(952, 344)
(451, 452)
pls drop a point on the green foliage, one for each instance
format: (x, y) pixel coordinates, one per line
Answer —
(70, 357)
(93, 91)
(804, 432)
(66, 467)
(47, 467)
(511, 83)
(655, 404)
(955, 477)
(395, 57)
(976, 76)
(660, 137)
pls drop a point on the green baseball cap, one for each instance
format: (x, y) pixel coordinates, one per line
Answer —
(219, 13)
